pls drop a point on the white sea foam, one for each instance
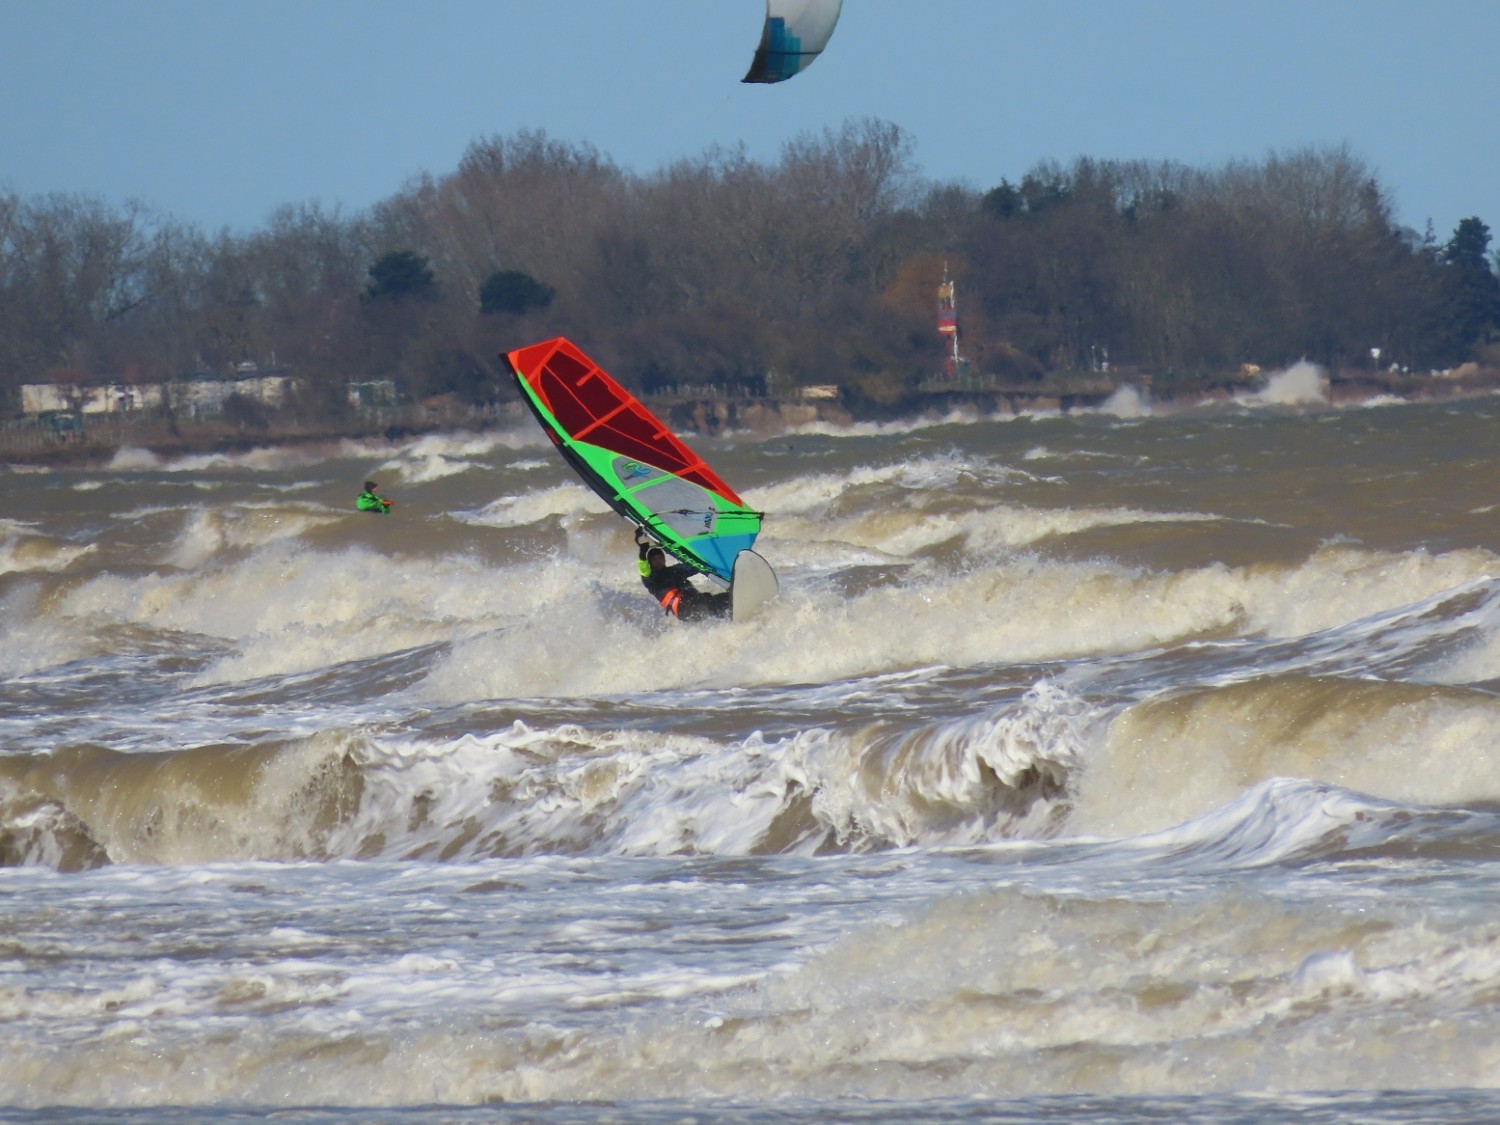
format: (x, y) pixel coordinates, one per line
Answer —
(290, 609)
(533, 507)
(425, 469)
(956, 417)
(1016, 608)
(1392, 741)
(29, 645)
(1301, 384)
(129, 457)
(280, 457)
(1126, 402)
(1341, 584)
(474, 445)
(209, 531)
(24, 551)
(287, 607)
(815, 492)
(434, 457)
(631, 792)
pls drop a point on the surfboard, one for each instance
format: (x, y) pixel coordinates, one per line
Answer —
(754, 584)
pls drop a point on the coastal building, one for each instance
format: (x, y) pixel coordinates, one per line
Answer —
(71, 392)
(82, 398)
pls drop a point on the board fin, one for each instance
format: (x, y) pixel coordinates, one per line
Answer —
(753, 585)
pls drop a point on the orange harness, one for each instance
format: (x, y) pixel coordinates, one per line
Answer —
(671, 600)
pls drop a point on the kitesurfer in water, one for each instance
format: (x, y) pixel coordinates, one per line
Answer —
(369, 501)
(671, 587)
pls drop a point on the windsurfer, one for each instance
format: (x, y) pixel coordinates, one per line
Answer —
(369, 501)
(671, 587)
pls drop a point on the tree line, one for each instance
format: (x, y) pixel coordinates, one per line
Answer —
(820, 266)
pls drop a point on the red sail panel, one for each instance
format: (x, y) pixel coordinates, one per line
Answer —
(590, 406)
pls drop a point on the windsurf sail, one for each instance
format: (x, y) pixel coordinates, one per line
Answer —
(795, 33)
(631, 459)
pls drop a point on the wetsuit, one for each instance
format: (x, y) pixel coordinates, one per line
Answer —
(678, 596)
(369, 502)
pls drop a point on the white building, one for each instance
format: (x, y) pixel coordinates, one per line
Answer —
(204, 394)
(78, 398)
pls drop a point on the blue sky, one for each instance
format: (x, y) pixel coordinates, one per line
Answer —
(218, 111)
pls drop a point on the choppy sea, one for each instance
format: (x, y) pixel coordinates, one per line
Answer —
(1107, 767)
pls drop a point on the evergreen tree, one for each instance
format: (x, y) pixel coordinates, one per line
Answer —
(1473, 289)
(511, 291)
(401, 274)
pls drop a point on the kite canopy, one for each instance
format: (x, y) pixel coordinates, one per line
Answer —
(629, 457)
(795, 34)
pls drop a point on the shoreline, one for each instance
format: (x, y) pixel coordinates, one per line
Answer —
(712, 416)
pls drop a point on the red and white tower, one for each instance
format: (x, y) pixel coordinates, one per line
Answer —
(948, 323)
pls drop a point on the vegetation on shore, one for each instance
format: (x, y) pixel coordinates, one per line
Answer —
(721, 272)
